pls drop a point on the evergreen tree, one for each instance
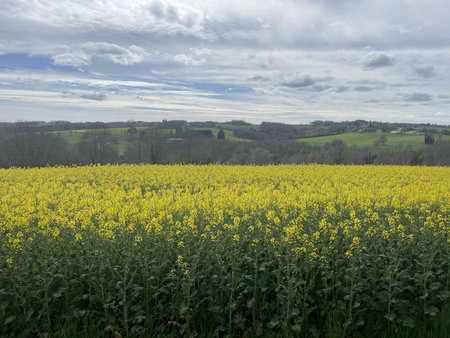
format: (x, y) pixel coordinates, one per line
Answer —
(221, 134)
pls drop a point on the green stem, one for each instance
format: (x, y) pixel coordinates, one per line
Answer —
(230, 301)
(255, 286)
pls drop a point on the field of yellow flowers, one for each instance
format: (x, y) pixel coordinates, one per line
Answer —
(292, 250)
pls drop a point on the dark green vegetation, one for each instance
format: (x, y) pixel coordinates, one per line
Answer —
(31, 144)
(123, 289)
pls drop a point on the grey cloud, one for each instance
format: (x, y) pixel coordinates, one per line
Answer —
(169, 12)
(94, 96)
(377, 60)
(118, 54)
(418, 97)
(364, 88)
(367, 85)
(157, 9)
(425, 71)
(370, 82)
(298, 82)
(172, 14)
(307, 82)
(164, 11)
(341, 89)
(259, 78)
(308, 23)
(320, 87)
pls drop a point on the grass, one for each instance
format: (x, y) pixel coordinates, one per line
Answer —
(75, 136)
(228, 134)
(72, 137)
(368, 139)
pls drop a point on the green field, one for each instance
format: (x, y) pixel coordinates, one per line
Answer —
(368, 139)
(72, 137)
(228, 134)
(75, 136)
(350, 139)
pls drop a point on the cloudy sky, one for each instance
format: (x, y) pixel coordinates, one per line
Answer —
(290, 61)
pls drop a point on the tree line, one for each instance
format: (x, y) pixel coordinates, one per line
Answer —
(155, 145)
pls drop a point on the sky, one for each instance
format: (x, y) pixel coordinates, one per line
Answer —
(290, 61)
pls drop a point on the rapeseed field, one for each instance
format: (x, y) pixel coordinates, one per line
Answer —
(291, 250)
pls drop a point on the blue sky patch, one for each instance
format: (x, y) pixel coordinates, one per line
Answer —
(35, 62)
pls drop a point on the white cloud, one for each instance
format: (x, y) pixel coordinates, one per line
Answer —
(74, 58)
(442, 114)
(411, 30)
(82, 55)
(280, 54)
(189, 60)
(196, 57)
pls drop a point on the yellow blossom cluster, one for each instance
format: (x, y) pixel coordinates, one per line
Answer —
(302, 209)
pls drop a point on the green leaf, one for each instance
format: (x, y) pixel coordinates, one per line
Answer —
(425, 295)
(408, 322)
(30, 312)
(389, 316)
(274, 322)
(57, 294)
(443, 295)
(314, 332)
(184, 309)
(259, 329)
(434, 286)
(10, 319)
(431, 311)
(296, 328)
